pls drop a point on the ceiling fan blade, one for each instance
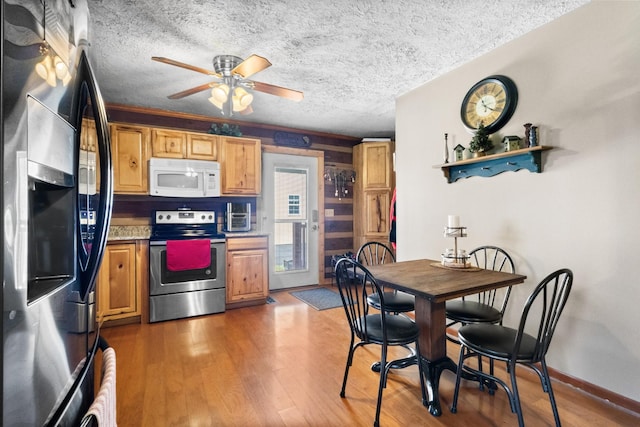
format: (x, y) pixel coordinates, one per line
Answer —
(192, 90)
(291, 94)
(250, 66)
(187, 66)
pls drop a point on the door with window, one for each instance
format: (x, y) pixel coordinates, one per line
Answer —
(289, 213)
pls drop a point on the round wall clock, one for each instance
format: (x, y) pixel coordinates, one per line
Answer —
(491, 102)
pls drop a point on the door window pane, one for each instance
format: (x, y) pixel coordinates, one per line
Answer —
(290, 232)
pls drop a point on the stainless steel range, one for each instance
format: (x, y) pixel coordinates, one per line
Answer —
(186, 264)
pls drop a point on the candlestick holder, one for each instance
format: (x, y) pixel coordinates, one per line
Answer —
(455, 258)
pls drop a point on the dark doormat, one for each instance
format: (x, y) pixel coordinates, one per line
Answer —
(320, 298)
(271, 300)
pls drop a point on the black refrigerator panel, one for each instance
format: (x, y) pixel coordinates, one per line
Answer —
(54, 230)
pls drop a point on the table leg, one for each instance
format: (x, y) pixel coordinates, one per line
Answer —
(431, 320)
(432, 371)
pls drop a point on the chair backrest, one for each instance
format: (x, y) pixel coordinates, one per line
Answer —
(550, 295)
(497, 259)
(374, 253)
(355, 284)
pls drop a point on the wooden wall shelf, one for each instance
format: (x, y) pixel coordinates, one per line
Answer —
(493, 164)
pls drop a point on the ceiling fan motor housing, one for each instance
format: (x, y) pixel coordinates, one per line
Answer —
(223, 64)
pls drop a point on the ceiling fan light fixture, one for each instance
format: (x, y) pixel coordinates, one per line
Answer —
(61, 68)
(215, 102)
(220, 93)
(42, 67)
(241, 99)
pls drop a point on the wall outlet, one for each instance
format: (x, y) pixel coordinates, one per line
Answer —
(328, 212)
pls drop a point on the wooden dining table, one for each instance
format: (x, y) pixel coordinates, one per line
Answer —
(432, 284)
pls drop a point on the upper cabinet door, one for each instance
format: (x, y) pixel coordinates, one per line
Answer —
(202, 146)
(168, 143)
(376, 165)
(240, 160)
(130, 148)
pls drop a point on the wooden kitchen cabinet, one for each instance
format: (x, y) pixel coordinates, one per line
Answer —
(177, 144)
(375, 179)
(202, 146)
(130, 155)
(168, 143)
(247, 271)
(122, 282)
(241, 163)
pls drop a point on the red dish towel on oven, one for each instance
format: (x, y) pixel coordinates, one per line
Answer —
(188, 254)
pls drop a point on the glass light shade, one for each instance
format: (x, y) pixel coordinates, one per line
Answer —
(46, 71)
(66, 79)
(220, 93)
(42, 67)
(244, 98)
(61, 68)
(215, 102)
(236, 105)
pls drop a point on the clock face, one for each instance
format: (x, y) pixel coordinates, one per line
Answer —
(491, 102)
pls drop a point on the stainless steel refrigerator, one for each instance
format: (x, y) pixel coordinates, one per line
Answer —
(56, 208)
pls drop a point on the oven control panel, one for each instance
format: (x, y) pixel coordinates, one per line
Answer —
(185, 217)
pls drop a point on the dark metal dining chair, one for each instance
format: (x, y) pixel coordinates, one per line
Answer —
(484, 307)
(515, 346)
(396, 302)
(375, 253)
(356, 284)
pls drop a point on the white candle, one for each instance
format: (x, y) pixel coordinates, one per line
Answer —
(453, 221)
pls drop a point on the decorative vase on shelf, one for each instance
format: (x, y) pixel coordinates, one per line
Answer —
(479, 154)
(527, 132)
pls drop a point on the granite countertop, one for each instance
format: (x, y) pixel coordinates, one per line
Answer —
(129, 232)
(252, 233)
(143, 232)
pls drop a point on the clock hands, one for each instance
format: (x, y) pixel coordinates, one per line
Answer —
(486, 107)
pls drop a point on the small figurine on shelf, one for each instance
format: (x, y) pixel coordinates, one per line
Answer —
(459, 150)
(511, 143)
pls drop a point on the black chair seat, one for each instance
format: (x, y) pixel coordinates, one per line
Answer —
(394, 302)
(471, 312)
(497, 341)
(400, 329)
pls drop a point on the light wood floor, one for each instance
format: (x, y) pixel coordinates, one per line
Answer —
(282, 364)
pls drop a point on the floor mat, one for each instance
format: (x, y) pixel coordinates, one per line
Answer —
(320, 298)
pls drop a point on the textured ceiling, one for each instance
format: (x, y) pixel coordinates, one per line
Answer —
(351, 58)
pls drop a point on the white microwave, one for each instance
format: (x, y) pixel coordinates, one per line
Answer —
(87, 173)
(184, 178)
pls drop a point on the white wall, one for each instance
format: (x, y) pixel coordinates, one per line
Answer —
(578, 79)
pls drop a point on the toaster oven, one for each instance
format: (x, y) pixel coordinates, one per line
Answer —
(237, 217)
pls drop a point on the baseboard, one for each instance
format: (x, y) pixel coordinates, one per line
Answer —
(591, 389)
(597, 391)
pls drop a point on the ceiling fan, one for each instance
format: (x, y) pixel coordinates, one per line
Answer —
(229, 90)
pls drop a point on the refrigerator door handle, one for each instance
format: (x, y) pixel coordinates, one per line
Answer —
(89, 89)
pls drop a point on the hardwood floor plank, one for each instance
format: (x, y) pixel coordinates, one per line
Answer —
(282, 364)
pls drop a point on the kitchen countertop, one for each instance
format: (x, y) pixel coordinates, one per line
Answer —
(143, 232)
(129, 232)
(252, 233)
